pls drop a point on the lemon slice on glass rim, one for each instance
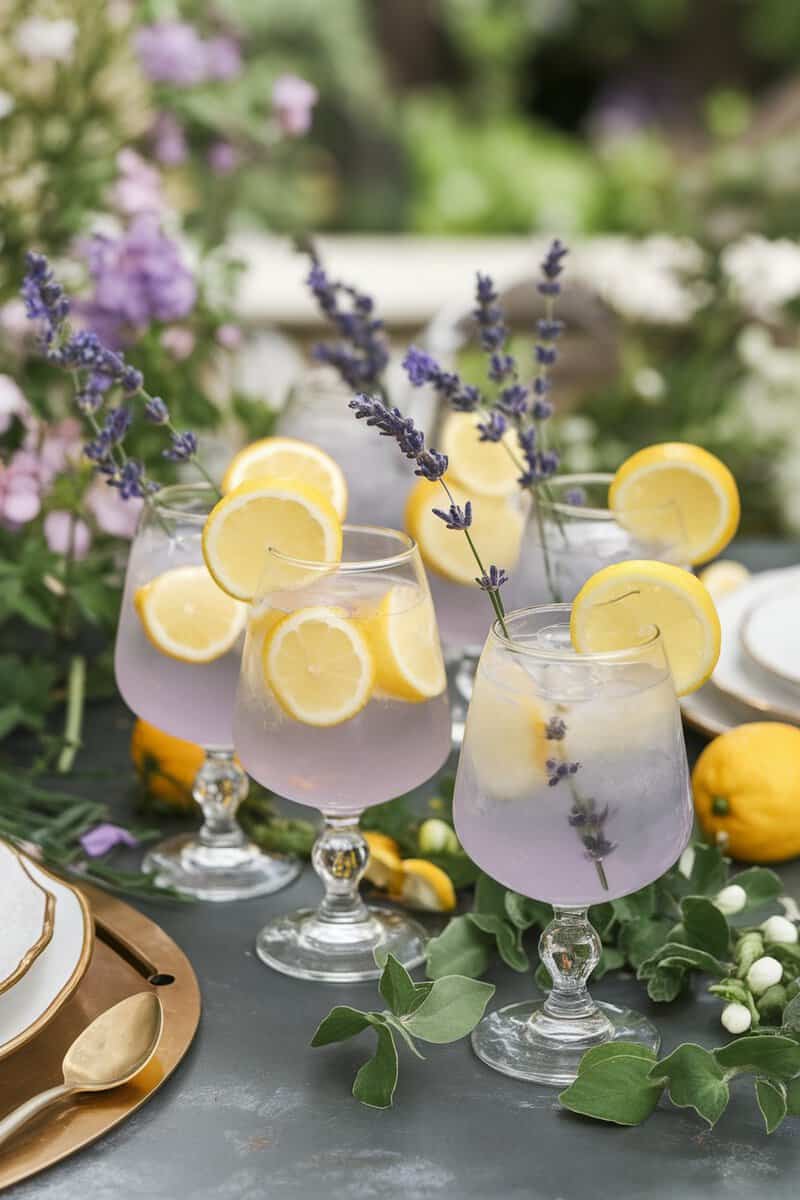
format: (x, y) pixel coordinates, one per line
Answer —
(676, 492)
(187, 617)
(319, 666)
(263, 514)
(289, 458)
(619, 606)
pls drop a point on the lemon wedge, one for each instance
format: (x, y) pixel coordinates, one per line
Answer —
(617, 607)
(675, 492)
(483, 468)
(505, 731)
(403, 636)
(263, 514)
(496, 530)
(319, 666)
(384, 867)
(724, 577)
(424, 885)
(186, 616)
(290, 458)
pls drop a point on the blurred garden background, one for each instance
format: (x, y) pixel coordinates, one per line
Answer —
(165, 155)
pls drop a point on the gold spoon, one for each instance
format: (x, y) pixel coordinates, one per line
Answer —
(109, 1052)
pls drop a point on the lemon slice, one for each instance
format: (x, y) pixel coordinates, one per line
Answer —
(187, 617)
(426, 886)
(496, 530)
(319, 666)
(263, 514)
(484, 468)
(505, 731)
(289, 458)
(405, 643)
(724, 577)
(615, 609)
(675, 492)
(384, 867)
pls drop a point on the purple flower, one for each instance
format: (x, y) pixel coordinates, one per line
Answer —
(576, 497)
(67, 534)
(541, 410)
(431, 465)
(183, 447)
(558, 769)
(455, 517)
(104, 837)
(293, 101)
(552, 266)
(44, 297)
(493, 580)
(117, 424)
(545, 355)
(223, 58)
(422, 368)
(156, 411)
(223, 157)
(493, 429)
(138, 185)
(171, 52)
(514, 400)
(229, 336)
(555, 730)
(129, 480)
(169, 141)
(361, 355)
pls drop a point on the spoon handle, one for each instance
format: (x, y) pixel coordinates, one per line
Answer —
(16, 1119)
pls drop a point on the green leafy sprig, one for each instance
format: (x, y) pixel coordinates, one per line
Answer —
(437, 1012)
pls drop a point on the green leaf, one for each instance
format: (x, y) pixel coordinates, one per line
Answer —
(507, 937)
(12, 715)
(461, 949)
(637, 905)
(793, 1097)
(616, 1089)
(640, 939)
(761, 1055)
(452, 1008)
(375, 1082)
(610, 959)
(771, 1097)
(615, 1050)
(397, 987)
(666, 983)
(490, 896)
(760, 884)
(602, 918)
(707, 876)
(705, 926)
(791, 1016)
(695, 1080)
(397, 1025)
(731, 990)
(771, 1003)
(675, 954)
(341, 1023)
(524, 912)
(460, 867)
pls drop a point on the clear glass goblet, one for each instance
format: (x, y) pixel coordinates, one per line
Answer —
(316, 726)
(572, 789)
(193, 701)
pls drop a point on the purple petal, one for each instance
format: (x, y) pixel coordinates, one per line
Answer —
(104, 837)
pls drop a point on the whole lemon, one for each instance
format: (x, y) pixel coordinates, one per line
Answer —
(746, 787)
(165, 765)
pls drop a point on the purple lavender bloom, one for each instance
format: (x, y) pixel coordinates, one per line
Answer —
(552, 266)
(597, 846)
(545, 355)
(555, 730)
(223, 157)
(549, 329)
(117, 423)
(576, 497)
(514, 400)
(558, 769)
(455, 517)
(44, 297)
(493, 580)
(99, 450)
(493, 429)
(169, 140)
(183, 447)
(171, 52)
(361, 356)
(156, 411)
(502, 367)
(431, 465)
(129, 480)
(422, 368)
(293, 101)
(541, 410)
(223, 58)
(104, 837)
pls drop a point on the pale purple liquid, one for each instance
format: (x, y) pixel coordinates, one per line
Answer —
(463, 612)
(189, 700)
(629, 741)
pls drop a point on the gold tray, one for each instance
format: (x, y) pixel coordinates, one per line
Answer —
(131, 954)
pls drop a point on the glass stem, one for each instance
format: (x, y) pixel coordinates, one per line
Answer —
(219, 788)
(570, 949)
(340, 857)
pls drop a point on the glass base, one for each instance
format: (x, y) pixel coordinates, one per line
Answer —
(523, 1041)
(302, 945)
(219, 873)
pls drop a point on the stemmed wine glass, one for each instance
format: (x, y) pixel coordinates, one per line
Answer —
(572, 789)
(190, 699)
(342, 704)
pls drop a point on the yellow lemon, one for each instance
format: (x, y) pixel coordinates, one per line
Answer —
(746, 787)
(289, 458)
(319, 666)
(186, 616)
(424, 885)
(166, 765)
(505, 730)
(404, 640)
(723, 577)
(496, 530)
(268, 514)
(483, 468)
(617, 607)
(384, 865)
(676, 490)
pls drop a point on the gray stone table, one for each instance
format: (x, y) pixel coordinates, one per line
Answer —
(253, 1112)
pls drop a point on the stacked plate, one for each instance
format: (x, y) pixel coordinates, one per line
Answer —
(45, 945)
(757, 677)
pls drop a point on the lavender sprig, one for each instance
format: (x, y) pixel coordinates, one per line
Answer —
(361, 354)
(584, 817)
(431, 465)
(96, 371)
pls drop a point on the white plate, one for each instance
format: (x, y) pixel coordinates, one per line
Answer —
(711, 712)
(27, 911)
(736, 674)
(771, 634)
(29, 1004)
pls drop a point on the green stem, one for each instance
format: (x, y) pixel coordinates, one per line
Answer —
(76, 691)
(494, 596)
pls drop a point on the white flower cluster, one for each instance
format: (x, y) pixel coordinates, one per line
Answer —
(762, 274)
(653, 280)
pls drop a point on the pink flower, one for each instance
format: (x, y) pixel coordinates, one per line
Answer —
(178, 342)
(20, 490)
(223, 58)
(223, 157)
(55, 447)
(293, 100)
(229, 337)
(169, 140)
(12, 403)
(138, 187)
(14, 323)
(114, 516)
(64, 531)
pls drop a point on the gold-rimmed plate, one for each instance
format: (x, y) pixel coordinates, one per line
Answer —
(771, 634)
(51, 979)
(28, 912)
(711, 713)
